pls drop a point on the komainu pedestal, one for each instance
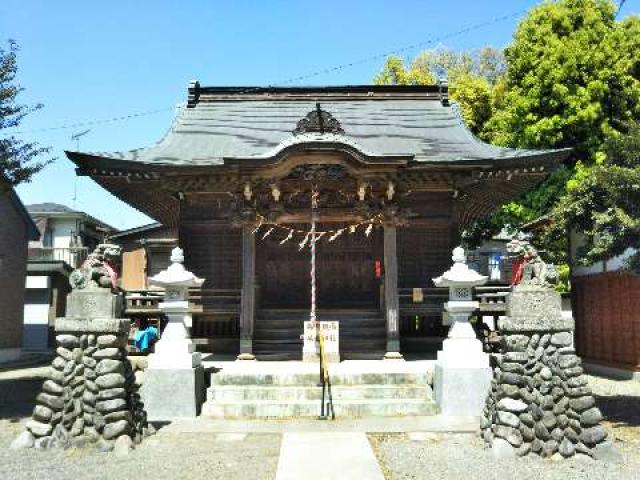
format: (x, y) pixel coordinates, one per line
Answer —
(540, 401)
(90, 393)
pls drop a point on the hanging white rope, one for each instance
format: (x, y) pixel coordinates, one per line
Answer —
(268, 233)
(314, 206)
(287, 238)
(306, 239)
(262, 221)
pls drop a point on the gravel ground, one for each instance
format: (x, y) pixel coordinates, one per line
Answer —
(170, 455)
(164, 456)
(463, 456)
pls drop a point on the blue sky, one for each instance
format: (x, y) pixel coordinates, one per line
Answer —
(98, 60)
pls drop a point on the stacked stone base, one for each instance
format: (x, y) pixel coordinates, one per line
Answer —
(540, 402)
(90, 395)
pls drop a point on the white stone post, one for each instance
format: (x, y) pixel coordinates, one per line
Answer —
(462, 373)
(174, 379)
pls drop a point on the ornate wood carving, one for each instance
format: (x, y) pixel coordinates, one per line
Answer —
(318, 121)
(318, 172)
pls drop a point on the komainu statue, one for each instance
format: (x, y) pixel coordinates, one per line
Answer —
(529, 268)
(99, 270)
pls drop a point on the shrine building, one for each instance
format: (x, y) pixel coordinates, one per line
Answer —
(398, 177)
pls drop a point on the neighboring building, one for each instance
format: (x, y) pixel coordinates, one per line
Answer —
(16, 230)
(145, 252)
(66, 237)
(492, 259)
(397, 176)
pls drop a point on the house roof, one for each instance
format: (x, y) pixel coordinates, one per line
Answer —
(50, 209)
(136, 230)
(222, 124)
(32, 231)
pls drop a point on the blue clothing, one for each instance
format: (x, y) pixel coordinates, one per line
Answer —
(144, 338)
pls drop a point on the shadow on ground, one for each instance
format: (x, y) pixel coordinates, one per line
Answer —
(17, 397)
(620, 410)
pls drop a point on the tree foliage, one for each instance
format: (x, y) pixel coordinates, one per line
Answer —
(573, 77)
(18, 159)
(570, 78)
(602, 203)
(471, 76)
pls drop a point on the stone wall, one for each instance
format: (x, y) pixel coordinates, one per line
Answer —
(539, 401)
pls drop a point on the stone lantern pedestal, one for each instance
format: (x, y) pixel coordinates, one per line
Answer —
(462, 374)
(174, 380)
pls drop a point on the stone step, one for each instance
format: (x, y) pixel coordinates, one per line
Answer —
(294, 333)
(278, 355)
(234, 393)
(311, 408)
(322, 314)
(297, 323)
(311, 379)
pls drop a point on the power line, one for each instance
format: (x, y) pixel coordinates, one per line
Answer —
(620, 5)
(400, 50)
(96, 122)
(316, 73)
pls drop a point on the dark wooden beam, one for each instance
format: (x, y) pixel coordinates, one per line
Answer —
(247, 301)
(391, 291)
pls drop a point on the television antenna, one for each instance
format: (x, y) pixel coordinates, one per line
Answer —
(76, 137)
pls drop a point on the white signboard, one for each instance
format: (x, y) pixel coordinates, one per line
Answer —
(331, 334)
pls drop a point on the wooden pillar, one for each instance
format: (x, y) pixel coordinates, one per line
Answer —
(247, 301)
(391, 301)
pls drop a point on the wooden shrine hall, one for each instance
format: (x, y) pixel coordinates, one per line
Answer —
(397, 177)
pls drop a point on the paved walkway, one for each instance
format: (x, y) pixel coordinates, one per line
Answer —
(327, 456)
(433, 423)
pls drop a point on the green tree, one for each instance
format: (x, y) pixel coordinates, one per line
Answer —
(573, 77)
(471, 76)
(603, 203)
(572, 80)
(18, 159)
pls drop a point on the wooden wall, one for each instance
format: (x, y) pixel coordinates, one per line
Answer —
(346, 267)
(424, 252)
(213, 252)
(424, 247)
(606, 308)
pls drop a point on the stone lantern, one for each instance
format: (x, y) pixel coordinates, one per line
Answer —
(175, 348)
(462, 374)
(174, 379)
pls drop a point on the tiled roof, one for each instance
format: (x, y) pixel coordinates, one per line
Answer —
(50, 207)
(414, 124)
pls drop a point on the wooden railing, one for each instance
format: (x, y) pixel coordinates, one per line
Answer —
(493, 300)
(215, 312)
(424, 318)
(205, 301)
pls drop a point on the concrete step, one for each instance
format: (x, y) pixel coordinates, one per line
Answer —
(311, 379)
(311, 408)
(321, 314)
(235, 393)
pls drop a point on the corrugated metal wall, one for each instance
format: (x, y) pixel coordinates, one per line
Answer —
(606, 307)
